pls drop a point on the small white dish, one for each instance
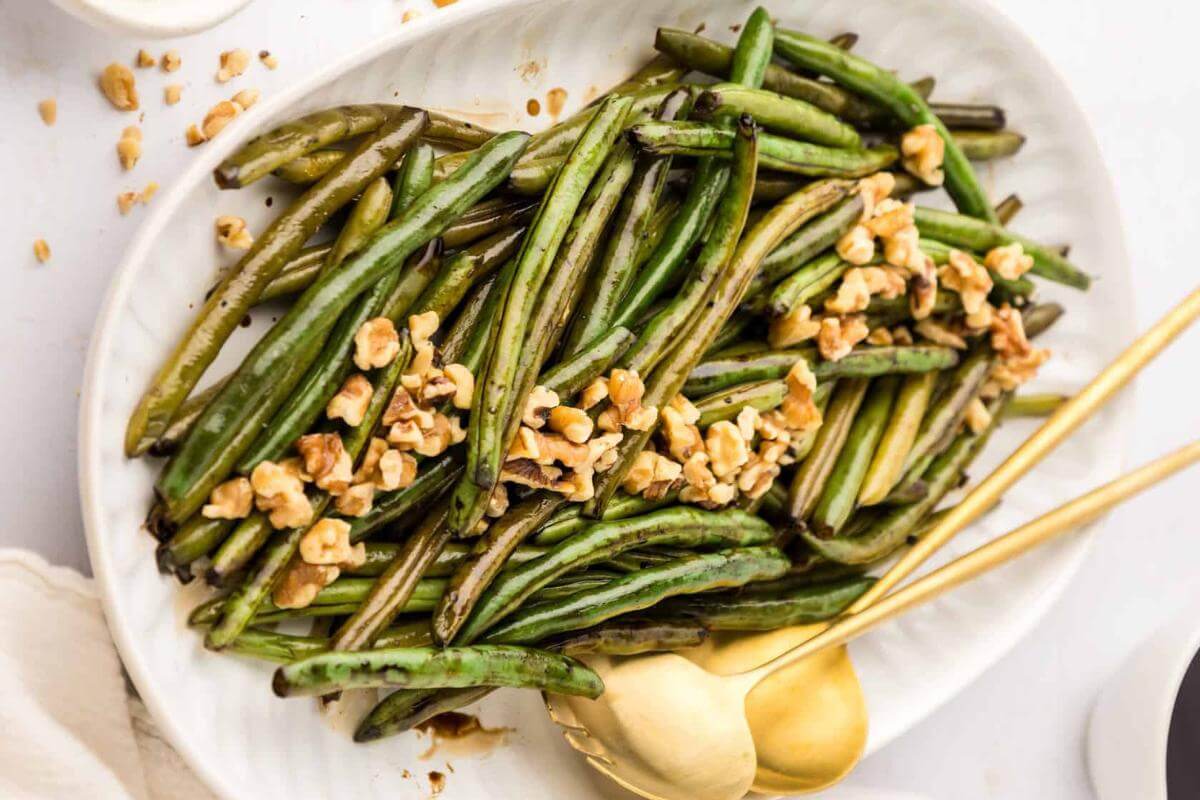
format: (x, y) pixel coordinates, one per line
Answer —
(1130, 723)
(157, 18)
(485, 60)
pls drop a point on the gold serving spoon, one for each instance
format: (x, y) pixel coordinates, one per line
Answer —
(665, 728)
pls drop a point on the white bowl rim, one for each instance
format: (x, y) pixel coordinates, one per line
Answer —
(122, 283)
(163, 18)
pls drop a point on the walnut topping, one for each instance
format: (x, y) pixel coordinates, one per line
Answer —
(1015, 370)
(396, 471)
(649, 469)
(279, 489)
(171, 61)
(593, 393)
(938, 333)
(218, 117)
(1009, 261)
(193, 136)
(327, 461)
(355, 501)
(573, 423)
(232, 499)
(246, 98)
(421, 327)
(376, 344)
(1019, 359)
(370, 460)
(172, 93)
(969, 278)
(118, 85)
(327, 543)
(269, 61)
(527, 472)
(683, 437)
(41, 251)
(578, 486)
(148, 192)
(747, 422)
(857, 245)
(537, 407)
(48, 111)
(351, 401)
(839, 335)
(977, 417)
(464, 385)
(794, 327)
(799, 408)
(727, 450)
(497, 502)
(880, 337)
(233, 63)
(126, 201)
(757, 477)
(438, 438)
(902, 335)
(405, 434)
(401, 408)
(923, 151)
(874, 189)
(923, 296)
(548, 448)
(1008, 332)
(232, 232)
(891, 217)
(437, 387)
(301, 583)
(144, 59)
(859, 283)
(980, 320)
(904, 250)
(625, 391)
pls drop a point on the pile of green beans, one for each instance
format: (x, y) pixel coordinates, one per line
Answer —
(664, 229)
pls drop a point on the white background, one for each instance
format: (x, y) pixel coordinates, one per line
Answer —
(1018, 732)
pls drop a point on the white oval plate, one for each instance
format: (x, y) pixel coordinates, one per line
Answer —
(487, 59)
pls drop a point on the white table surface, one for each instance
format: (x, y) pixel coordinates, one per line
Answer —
(1018, 732)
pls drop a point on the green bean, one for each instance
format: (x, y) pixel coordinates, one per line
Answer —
(1034, 405)
(808, 242)
(756, 609)
(971, 117)
(775, 152)
(232, 298)
(530, 178)
(367, 216)
(609, 279)
(601, 541)
(569, 521)
(716, 374)
(569, 377)
(434, 477)
(773, 186)
(988, 145)
(204, 457)
(184, 419)
(492, 552)
(344, 594)
(689, 575)
(460, 133)
(705, 55)
(840, 495)
(1040, 318)
(403, 710)
(238, 548)
(426, 668)
(495, 394)
(733, 334)
(844, 41)
(752, 55)
(947, 411)
(195, 539)
(658, 70)
(298, 273)
(726, 404)
(299, 137)
(630, 638)
(311, 167)
(887, 466)
(893, 94)
(284, 648)
(1005, 288)
(784, 115)
(971, 234)
(893, 528)
(465, 268)
(805, 284)
(809, 481)
(487, 218)
(454, 555)
(392, 589)
(469, 317)
(1008, 208)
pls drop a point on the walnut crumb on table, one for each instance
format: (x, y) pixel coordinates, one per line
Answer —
(48, 111)
(172, 93)
(144, 59)
(41, 250)
(269, 61)
(171, 61)
(117, 84)
(232, 232)
(233, 63)
(129, 146)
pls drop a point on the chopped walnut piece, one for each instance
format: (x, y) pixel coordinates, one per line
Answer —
(572, 423)
(148, 192)
(756, 478)
(437, 387)
(218, 117)
(126, 201)
(437, 439)
(549, 448)
(537, 407)
(938, 333)
(48, 111)
(904, 250)
(923, 150)
(396, 471)
(172, 92)
(171, 61)
(327, 542)
(977, 416)
(458, 433)
(193, 136)
(794, 327)
(326, 460)
(697, 474)
(144, 59)
(857, 245)
(1017, 369)
(355, 501)
(232, 232)
(269, 479)
(421, 327)
(881, 337)
(41, 250)
(1009, 261)
(301, 583)
(859, 284)
(279, 490)
(924, 285)
(497, 502)
(233, 63)
(902, 335)
(600, 448)
(799, 409)
(376, 344)
(246, 97)
(593, 393)
(891, 218)
(839, 335)
(370, 460)
(683, 437)
(579, 485)
(527, 472)
(268, 60)
(625, 389)
(400, 407)
(351, 401)
(874, 189)
(1008, 332)
(650, 468)
(119, 87)
(464, 385)
(965, 275)
(405, 435)
(747, 422)
(980, 320)
(232, 499)
(727, 450)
